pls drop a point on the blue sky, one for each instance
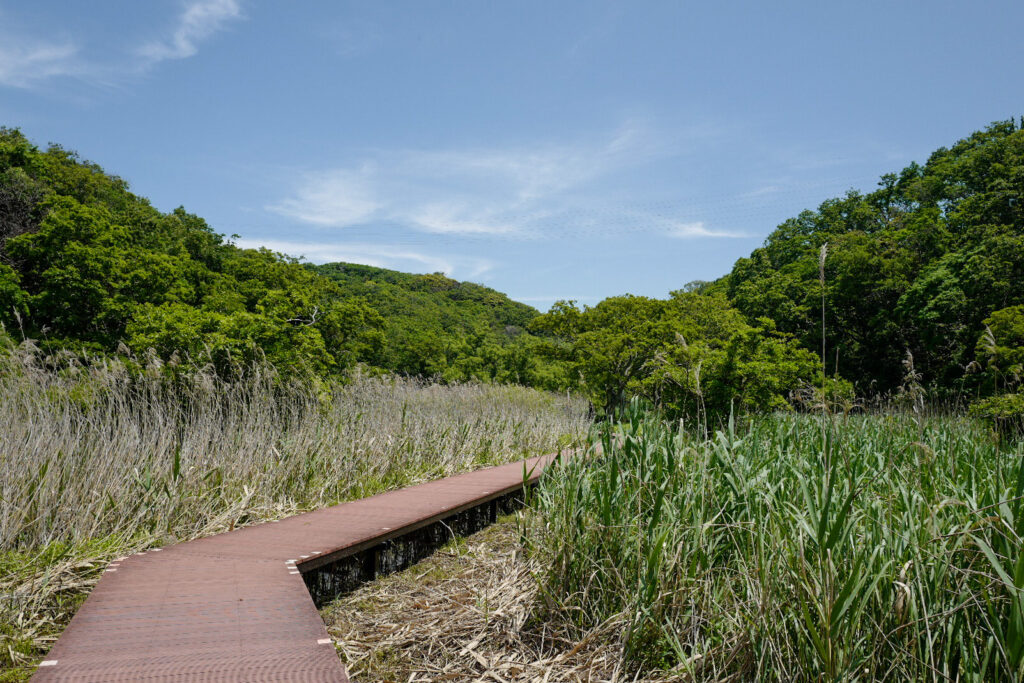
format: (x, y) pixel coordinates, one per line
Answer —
(552, 150)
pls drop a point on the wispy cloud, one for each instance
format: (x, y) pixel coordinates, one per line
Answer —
(379, 255)
(333, 199)
(26, 62)
(530, 191)
(697, 229)
(464, 191)
(763, 190)
(199, 20)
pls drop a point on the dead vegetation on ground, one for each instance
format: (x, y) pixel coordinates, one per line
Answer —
(464, 614)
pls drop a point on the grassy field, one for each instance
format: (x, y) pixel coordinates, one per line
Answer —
(97, 462)
(792, 549)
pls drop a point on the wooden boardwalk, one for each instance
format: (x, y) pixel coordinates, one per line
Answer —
(234, 607)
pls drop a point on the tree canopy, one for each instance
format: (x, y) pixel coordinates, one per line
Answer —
(916, 265)
(692, 354)
(86, 264)
(925, 272)
(436, 326)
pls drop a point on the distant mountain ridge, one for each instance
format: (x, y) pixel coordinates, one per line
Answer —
(505, 310)
(433, 323)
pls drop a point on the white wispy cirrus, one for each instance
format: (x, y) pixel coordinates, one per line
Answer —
(379, 255)
(332, 199)
(521, 192)
(697, 229)
(199, 20)
(26, 62)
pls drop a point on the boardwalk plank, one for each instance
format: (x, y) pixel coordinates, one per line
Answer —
(234, 607)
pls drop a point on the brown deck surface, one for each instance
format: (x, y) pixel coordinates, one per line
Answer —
(234, 607)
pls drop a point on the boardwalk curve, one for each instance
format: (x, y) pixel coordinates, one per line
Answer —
(235, 606)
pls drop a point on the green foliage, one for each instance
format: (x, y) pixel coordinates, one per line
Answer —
(1004, 412)
(919, 265)
(999, 355)
(12, 296)
(457, 331)
(916, 265)
(749, 556)
(692, 354)
(86, 264)
(1000, 349)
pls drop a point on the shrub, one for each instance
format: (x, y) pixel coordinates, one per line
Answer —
(1005, 413)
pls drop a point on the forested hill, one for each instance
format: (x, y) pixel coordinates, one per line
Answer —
(921, 282)
(923, 286)
(400, 293)
(930, 263)
(403, 294)
(433, 324)
(87, 265)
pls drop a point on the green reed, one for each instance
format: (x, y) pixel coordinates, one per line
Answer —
(748, 556)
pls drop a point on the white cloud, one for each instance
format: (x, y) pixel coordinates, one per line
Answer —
(554, 297)
(26, 62)
(200, 20)
(697, 229)
(23, 64)
(332, 199)
(458, 217)
(764, 190)
(379, 255)
(529, 191)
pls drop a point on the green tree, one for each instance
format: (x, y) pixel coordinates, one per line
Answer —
(692, 354)
(917, 265)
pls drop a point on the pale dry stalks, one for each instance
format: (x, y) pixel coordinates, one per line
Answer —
(97, 460)
(464, 614)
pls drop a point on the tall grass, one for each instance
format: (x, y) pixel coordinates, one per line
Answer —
(749, 556)
(97, 460)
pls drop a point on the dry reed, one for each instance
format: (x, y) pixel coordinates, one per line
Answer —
(464, 614)
(101, 458)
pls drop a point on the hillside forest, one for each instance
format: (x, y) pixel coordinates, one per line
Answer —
(911, 291)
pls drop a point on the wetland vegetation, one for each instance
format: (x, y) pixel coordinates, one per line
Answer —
(808, 469)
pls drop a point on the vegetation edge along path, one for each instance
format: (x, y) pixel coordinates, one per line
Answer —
(236, 606)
